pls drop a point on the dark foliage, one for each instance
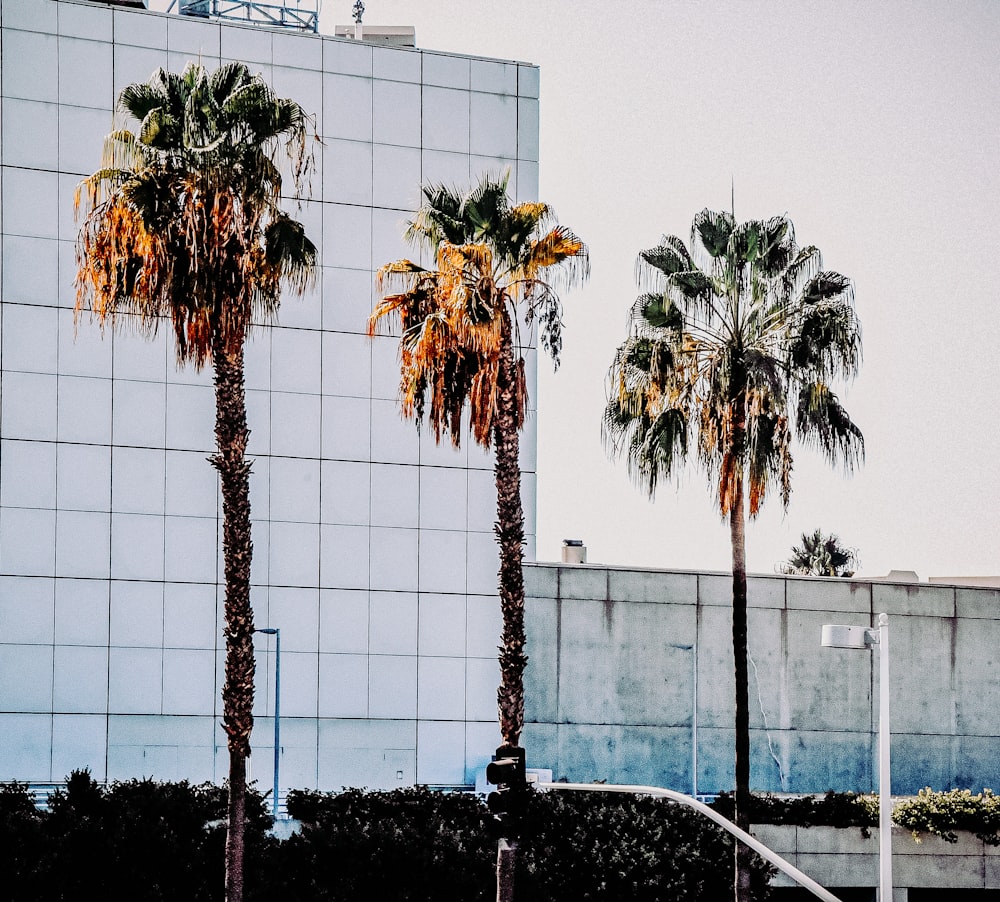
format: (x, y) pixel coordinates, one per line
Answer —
(22, 841)
(143, 841)
(408, 844)
(415, 844)
(623, 847)
(137, 840)
(835, 809)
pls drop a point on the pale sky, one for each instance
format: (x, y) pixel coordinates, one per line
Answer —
(874, 126)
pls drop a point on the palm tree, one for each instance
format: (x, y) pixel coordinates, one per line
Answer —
(731, 350)
(182, 224)
(462, 347)
(820, 555)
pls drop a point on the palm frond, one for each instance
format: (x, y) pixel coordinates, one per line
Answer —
(668, 257)
(827, 340)
(821, 421)
(711, 232)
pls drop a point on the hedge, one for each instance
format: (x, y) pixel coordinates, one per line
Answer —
(143, 841)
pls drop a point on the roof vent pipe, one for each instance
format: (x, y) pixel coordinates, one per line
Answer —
(574, 551)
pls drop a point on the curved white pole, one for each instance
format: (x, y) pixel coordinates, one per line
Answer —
(726, 824)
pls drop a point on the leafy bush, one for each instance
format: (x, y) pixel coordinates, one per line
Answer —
(416, 844)
(835, 809)
(143, 841)
(597, 846)
(136, 840)
(942, 813)
(21, 841)
(399, 845)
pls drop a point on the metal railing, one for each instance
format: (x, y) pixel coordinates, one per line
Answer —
(303, 16)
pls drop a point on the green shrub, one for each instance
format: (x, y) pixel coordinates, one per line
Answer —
(22, 841)
(942, 813)
(416, 844)
(835, 809)
(399, 845)
(597, 846)
(143, 841)
(136, 840)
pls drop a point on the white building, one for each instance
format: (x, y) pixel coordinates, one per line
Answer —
(374, 551)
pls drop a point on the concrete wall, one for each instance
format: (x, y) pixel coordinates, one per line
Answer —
(374, 551)
(617, 657)
(844, 857)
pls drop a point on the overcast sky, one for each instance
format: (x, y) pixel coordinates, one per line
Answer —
(874, 127)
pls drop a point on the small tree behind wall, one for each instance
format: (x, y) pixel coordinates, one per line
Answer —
(820, 555)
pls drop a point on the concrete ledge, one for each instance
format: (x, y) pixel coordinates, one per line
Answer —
(842, 856)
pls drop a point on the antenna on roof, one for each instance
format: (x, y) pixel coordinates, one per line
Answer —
(359, 11)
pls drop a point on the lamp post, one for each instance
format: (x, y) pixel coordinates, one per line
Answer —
(273, 631)
(834, 636)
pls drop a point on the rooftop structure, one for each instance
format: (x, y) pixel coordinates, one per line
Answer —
(302, 15)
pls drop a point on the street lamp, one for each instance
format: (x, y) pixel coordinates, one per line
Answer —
(272, 631)
(834, 636)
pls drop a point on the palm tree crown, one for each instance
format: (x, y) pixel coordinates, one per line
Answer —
(735, 344)
(492, 261)
(183, 219)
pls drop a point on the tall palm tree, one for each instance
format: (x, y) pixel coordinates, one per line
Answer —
(820, 555)
(496, 265)
(182, 224)
(732, 348)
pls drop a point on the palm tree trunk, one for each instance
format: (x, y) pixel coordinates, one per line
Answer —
(737, 529)
(235, 826)
(509, 531)
(231, 435)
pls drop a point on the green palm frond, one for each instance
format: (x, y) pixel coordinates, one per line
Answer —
(139, 100)
(668, 257)
(439, 218)
(712, 232)
(693, 286)
(827, 340)
(485, 208)
(823, 422)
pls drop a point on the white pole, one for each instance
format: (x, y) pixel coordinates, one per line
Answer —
(694, 720)
(884, 772)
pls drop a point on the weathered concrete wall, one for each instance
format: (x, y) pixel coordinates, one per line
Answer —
(617, 658)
